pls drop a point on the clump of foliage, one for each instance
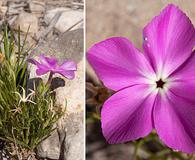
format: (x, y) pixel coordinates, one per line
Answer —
(27, 116)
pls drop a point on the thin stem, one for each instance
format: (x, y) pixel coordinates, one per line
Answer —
(137, 146)
(50, 78)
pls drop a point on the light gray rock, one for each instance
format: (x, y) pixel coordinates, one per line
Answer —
(3, 10)
(68, 19)
(36, 6)
(74, 137)
(50, 148)
(68, 46)
(24, 20)
(51, 13)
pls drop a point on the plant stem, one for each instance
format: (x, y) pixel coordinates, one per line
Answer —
(137, 145)
(50, 78)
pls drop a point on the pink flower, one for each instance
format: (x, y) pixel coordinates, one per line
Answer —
(156, 88)
(46, 64)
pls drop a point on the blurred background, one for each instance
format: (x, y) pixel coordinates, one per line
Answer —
(108, 18)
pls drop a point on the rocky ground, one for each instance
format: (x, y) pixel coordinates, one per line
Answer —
(116, 18)
(47, 19)
(56, 28)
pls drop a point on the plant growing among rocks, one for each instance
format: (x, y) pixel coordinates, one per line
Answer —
(27, 115)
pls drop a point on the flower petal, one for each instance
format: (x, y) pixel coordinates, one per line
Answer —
(127, 115)
(174, 120)
(168, 38)
(68, 74)
(42, 70)
(50, 62)
(33, 61)
(182, 81)
(69, 65)
(118, 63)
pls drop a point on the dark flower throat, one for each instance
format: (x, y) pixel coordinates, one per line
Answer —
(160, 83)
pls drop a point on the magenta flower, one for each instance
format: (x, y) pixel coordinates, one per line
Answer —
(46, 64)
(156, 88)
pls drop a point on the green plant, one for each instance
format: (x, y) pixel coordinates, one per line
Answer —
(27, 116)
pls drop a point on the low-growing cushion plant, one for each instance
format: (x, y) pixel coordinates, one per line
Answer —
(27, 115)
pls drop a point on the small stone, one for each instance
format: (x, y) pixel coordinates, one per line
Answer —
(51, 13)
(50, 147)
(68, 19)
(37, 7)
(24, 20)
(3, 10)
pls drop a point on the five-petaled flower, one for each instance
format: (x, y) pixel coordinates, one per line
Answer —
(46, 64)
(156, 88)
